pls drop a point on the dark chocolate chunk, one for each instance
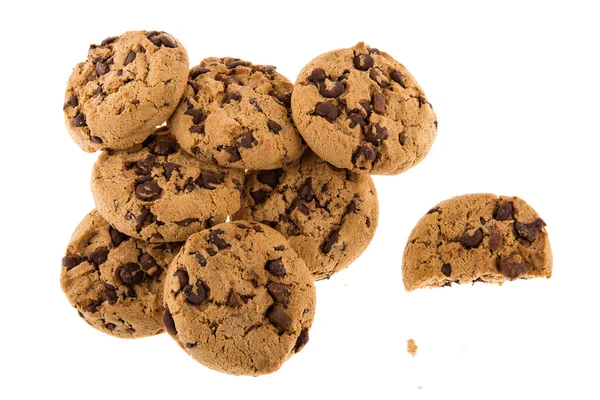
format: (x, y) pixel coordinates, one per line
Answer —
(302, 340)
(356, 118)
(129, 59)
(270, 177)
(365, 152)
(375, 134)
(147, 191)
(183, 277)
(199, 296)
(447, 270)
(495, 240)
(215, 238)
(274, 127)
(101, 68)
(471, 241)
(505, 212)
(209, 178)
(110, 294)
(234, 153)
(234, 299)
(247, 140)
(72, 102)
(278, 317)
(276, 267)
(333, 90)
(327, 110)
(98, 257)
(168, 169)
(513, 266)
(79, 121)
(379, 103)
(200, 258)
(259, 196)
(331, 240)
(131, 274)
(530, 230)
(168, 322)
(279, 292)
(71, 262)
(398, 78)
(317, 75)
(363, 62)
(196, 115)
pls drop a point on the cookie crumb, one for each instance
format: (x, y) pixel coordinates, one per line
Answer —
(411, 347)
(419, 387)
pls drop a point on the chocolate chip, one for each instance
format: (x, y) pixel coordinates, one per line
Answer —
(368, 222)
(471, 241)
(98, 257)
(279, 292)
(270, 177)
(331, 240)
(278, 317)
(194, 86)
(379, 103)
(164, 146)
(306, 191)
(72, 102)
(145, 216)
(447, 270)
(209, 178)
(356, 118)
(232, 96)
(197, 70)
(142, 49)
(334, 90)
(147, 191)
(276, 267)
(96, 139)
(375, 134)
(530, 230)
(187, 221)
(236, 62)
(149, 264)
(234, 300)
(184, 278)
(131, 274)
(375, 76)
(363, 62)
(215, 238)
(101, 68)
(234, 154)
(116, 237)
(247, 140)
(196, 115)
(168, 322)
(402, 138)
(99, 91)
(211, 251)
(197, 129)
(327, 110)
(302, 340)
(110, 326)
(168, 169)
(513, 266)
(398, 78)
(258, 228)
(167, 42)
(108, 40)
(274, 127)
(259, 196)
(495, 240)
(110, 294)
(70, 262)
(200, 258)
(285, 99)
(129, 59)
(365, 152)
(79, 120)
(317, 75)
(366, 106)
(145, 165)
(196, 298)
(505, 212)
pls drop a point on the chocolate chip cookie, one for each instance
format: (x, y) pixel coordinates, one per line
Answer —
(237, 114)
(238, 299)
(360, 109)
(157, 192)
(328, 215)
(127, 86)
(114, 281)
(477, 238)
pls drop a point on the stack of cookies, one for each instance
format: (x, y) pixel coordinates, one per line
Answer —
(288, 166)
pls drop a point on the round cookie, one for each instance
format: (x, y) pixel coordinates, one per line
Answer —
(127, 86)
(238, 299)
(159, 193)
(477, 238)
(360, 109)
(237, 114)
(328, 215)
(114, 281)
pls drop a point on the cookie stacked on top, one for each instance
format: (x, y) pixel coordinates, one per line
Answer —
(287, 165)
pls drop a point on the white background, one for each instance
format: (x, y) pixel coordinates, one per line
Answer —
(515, 88)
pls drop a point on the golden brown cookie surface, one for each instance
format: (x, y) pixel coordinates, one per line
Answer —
(477, 237)
(360, 109)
